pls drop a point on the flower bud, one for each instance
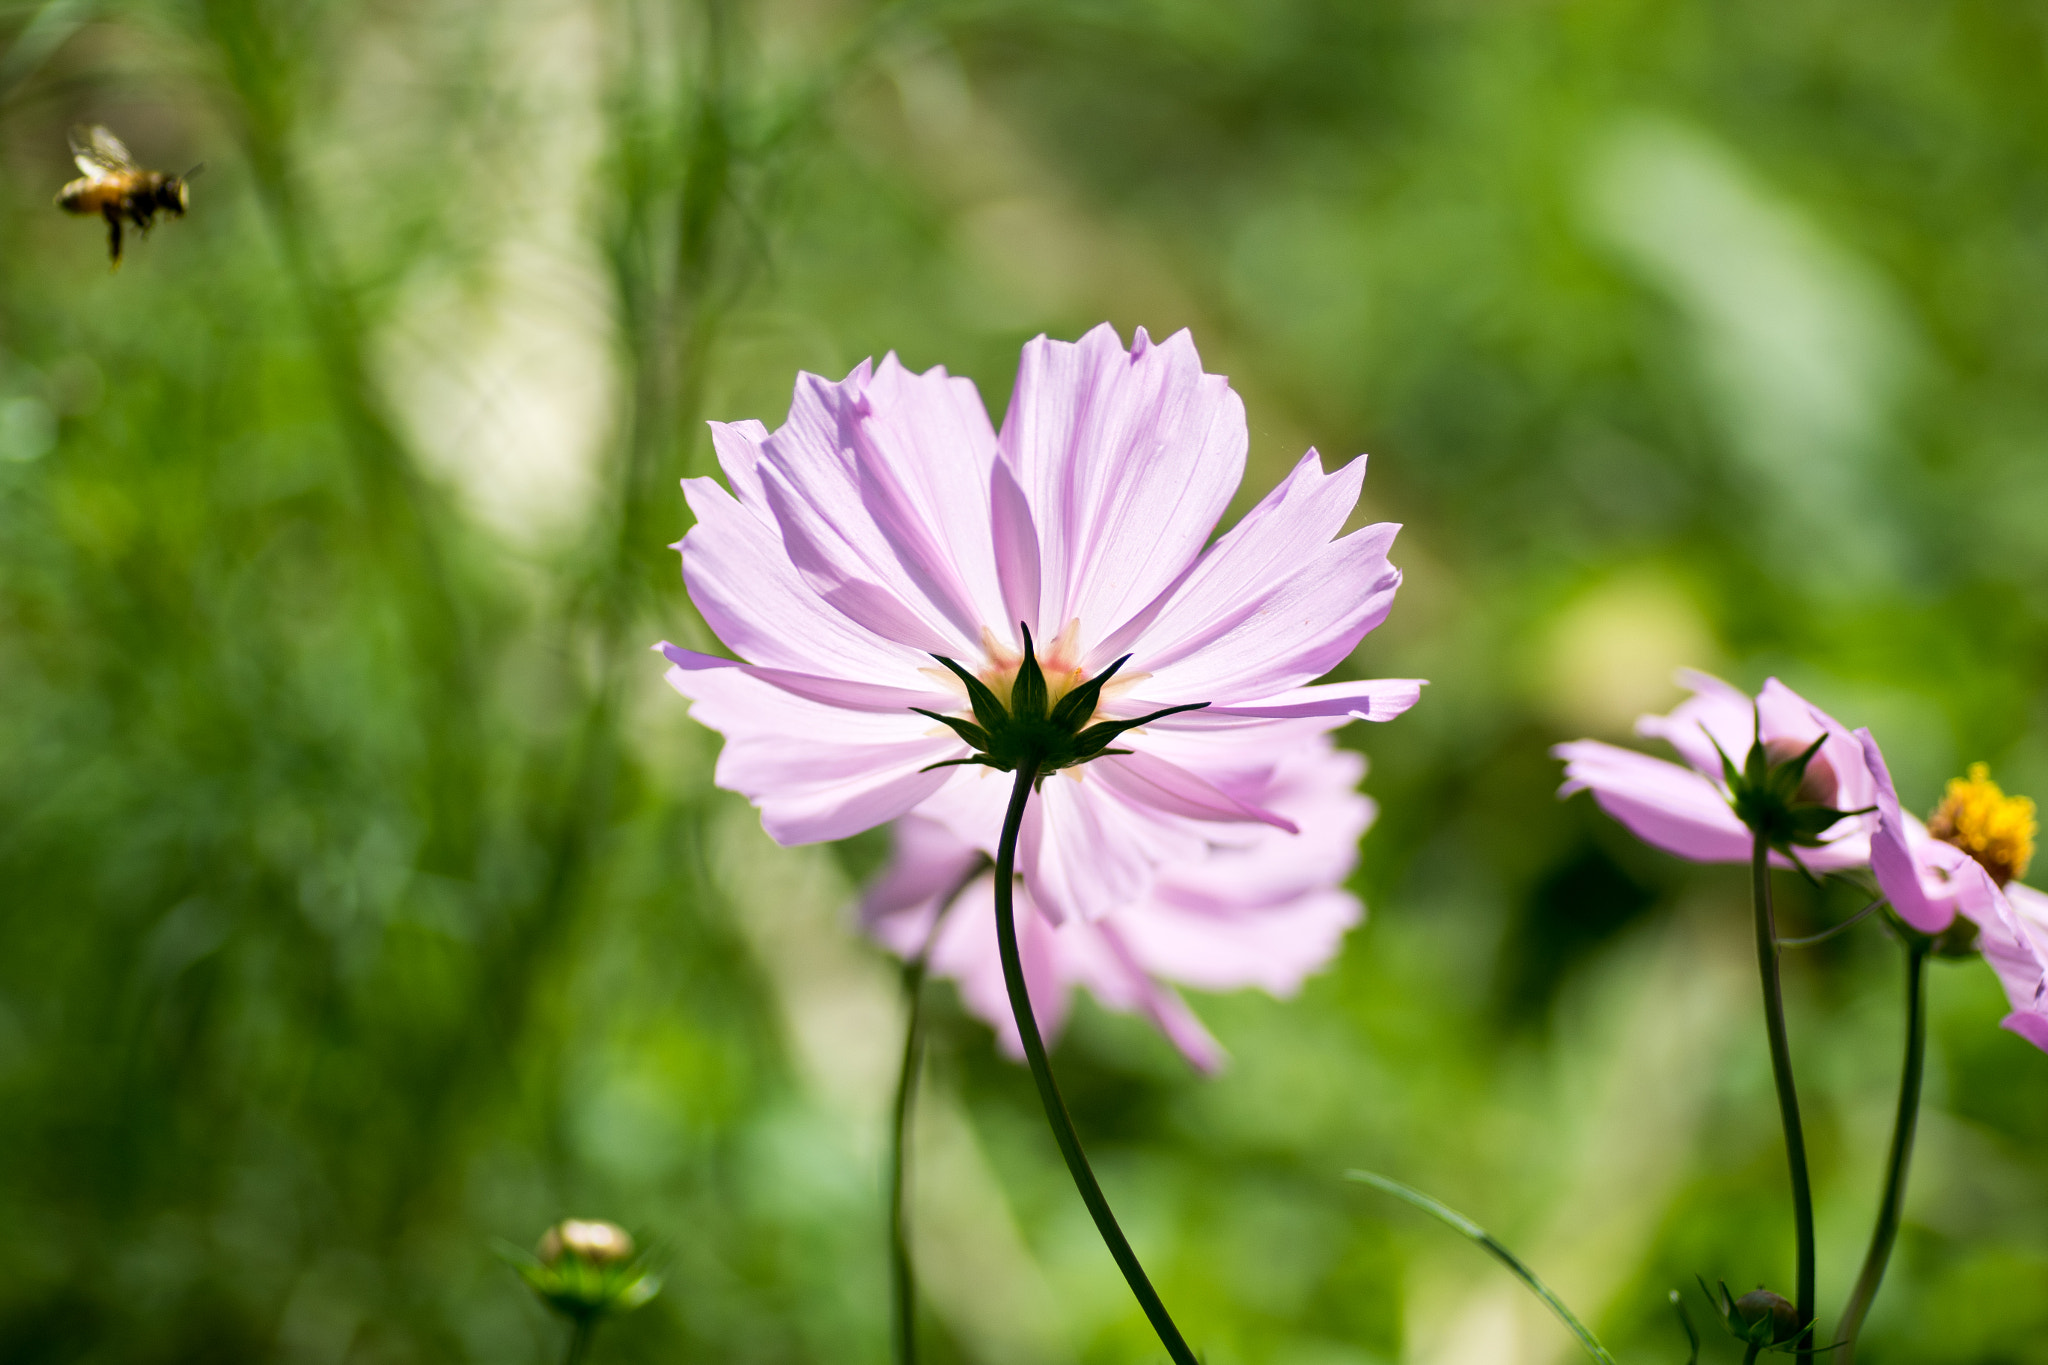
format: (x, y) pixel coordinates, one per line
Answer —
(1766, 1318)
(599, 1243)
(585, 1270)
(1818, 785)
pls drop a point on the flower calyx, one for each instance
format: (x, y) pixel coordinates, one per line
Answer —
(585, 1270)
(1784, 794)
(1034, 727)
(1760, 1320)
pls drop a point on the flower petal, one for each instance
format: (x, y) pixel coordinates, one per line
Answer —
(1127, 459)
(1373, 699)
(1898, 872)
(840, 692)
(755, 601)
(1271, 637)
(1661, 803)
(1148, 780)
(815, 771)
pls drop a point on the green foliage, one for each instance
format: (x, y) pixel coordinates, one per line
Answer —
(365, 898)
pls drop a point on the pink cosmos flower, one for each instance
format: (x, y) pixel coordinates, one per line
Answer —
(887, 522)
(1930, 881)
(1259, 907)
(1683, 809)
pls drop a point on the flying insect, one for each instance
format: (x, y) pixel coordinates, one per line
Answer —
(117, 189)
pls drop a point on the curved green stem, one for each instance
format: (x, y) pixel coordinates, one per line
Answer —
(1781, 1075)
(903, 1279)
(1048, 1093)
(1887, 1230)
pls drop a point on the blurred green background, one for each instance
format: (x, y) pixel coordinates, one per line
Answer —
(363, 894)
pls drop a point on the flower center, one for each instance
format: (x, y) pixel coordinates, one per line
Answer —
(1981, 820)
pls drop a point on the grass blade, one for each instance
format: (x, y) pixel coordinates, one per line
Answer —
(1461, 1223)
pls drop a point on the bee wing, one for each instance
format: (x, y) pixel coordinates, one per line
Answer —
(99, 153)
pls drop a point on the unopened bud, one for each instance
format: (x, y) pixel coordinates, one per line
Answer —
(1818, 786)
(585, 1270)
(1766, 1318)
(599, 1243)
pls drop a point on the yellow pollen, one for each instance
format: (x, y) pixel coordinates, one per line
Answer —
(1981, 820)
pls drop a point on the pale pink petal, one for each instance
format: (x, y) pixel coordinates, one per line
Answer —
(872, 595)
(1898, 872)
(867, 554)
(756, 602)
(1148, 780)
(967, 952)
(738, 446)
(1290, 525)
(1015, 544)
(1375, 699)
(1083, 854)
(2031, 1025)
(899, 905)
(2016, 949)
(1661, 803)
(1159, 1003)
(839, 692)
(1259, 910)
(815, 771)
(1716, 713)
(1275, 949)
(923, 451)
(1127, 460)
(1275, 635)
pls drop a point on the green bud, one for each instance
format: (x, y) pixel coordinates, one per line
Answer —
(1759, 1318)
(585, 1269)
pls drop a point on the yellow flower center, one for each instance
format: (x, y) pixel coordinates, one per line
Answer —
(1981, 820)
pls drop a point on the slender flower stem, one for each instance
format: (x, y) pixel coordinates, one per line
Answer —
(1887, 1230)
(1048, 1092)
(902, 1275)
(579, 1340)
(1781, 1075)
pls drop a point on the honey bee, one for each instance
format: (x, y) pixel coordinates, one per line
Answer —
(114, 187)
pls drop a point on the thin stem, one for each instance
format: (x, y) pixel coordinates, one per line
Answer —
(902, 1275)
(580, 1337)
(1824, 935)
(1887, 1230)
(1781, 1075)
(1048, 1092)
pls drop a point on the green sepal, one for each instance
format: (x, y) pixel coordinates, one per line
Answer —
(583, 1290)
(988, 708)
(975, 736)
(1080, 703)
(1030, 729)
(1091, 740)
(1028, 697)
